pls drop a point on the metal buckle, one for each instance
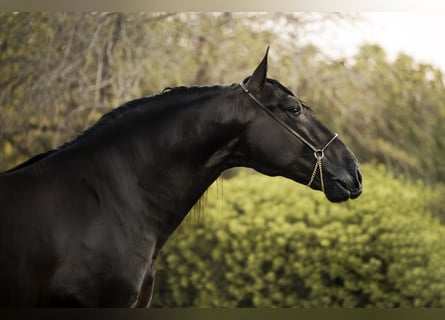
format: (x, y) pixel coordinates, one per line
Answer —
(319, 154)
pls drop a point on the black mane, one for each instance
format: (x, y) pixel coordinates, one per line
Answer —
(31, 161)
(154, 102)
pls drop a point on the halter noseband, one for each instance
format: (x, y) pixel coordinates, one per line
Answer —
(318, 153)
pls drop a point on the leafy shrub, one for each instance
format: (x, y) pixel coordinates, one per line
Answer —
(273, 243)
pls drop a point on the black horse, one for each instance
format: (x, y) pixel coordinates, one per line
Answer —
(82, 225)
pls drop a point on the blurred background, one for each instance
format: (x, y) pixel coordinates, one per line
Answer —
(375, 78)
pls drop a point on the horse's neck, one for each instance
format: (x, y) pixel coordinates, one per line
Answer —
(172, 159)
(183, 160)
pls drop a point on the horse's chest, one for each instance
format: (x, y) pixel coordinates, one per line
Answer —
(105, 269)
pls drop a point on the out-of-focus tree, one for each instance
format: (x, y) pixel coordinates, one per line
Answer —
(61, 71)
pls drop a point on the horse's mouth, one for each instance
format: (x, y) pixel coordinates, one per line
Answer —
(338, 191)
(335, 189)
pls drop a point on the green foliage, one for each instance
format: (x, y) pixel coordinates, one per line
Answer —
(271, 242)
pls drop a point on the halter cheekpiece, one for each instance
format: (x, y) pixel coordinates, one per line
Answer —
(318, 153)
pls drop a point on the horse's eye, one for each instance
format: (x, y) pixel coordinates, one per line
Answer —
(295, 110)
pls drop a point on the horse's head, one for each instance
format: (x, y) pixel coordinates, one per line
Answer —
(284, 137)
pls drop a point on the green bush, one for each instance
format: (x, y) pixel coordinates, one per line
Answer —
(270, 242)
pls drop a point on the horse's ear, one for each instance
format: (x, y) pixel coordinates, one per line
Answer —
(259, 76)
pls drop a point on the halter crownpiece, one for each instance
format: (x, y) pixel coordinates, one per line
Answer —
(318, 153)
